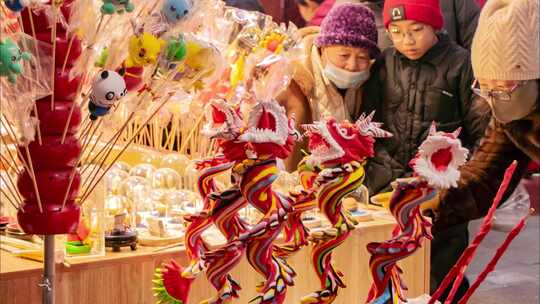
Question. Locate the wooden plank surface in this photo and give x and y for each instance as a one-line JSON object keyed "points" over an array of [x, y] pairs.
{"points": [[126, 277]]}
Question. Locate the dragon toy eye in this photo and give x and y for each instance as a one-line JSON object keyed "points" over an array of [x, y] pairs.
{"points": [[344, 132]]}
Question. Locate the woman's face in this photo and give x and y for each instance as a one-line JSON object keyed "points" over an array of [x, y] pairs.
{"points": [[509, 100], [348, 58]]}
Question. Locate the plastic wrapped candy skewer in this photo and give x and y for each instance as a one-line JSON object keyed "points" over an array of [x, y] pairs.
{"points": [[337, 148], [436, 167]]}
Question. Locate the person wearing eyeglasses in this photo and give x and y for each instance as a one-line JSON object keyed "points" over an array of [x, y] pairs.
{"points": [[460, 20], [328, 81], [506, 64], [425, 77]]}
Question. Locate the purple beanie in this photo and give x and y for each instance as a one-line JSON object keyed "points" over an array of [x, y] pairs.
{"points": [[350, 24]]}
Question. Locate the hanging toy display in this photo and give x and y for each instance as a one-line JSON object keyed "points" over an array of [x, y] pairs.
{"points": [[340, 149], [107, 89], [144, 49], [176, 49], [10, 60], [175, 10], [436, 168], [110, 7]]}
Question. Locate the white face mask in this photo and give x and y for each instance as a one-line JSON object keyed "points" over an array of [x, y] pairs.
{"points": [[522, 103], [344, 79]]}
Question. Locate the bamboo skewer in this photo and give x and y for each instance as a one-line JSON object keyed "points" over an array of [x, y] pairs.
{"points": [[11, 202], [28, 166], [38, 129], [87, 193], [85, 161], [53, 41], [37, 56], [34, 182], [70, 45], [10, 185], [92, 177], [74, 104], [11, 167], [74, 171], [190, 134], [15, 140], [13, 159], [14, 187]]}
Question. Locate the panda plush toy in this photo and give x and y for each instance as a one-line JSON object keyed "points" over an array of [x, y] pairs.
{"points": [[108, 87]]}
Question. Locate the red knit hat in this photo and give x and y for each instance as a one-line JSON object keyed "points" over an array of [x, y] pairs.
{"points": [[425, 11]]}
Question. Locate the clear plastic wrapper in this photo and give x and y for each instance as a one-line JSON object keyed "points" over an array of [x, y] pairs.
{"points": [[25, 65], [512, 210]]}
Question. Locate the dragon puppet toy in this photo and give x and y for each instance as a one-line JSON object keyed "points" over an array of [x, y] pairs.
{"points": [[436, 167], [269, 135], [251, 151], [339, 150], [173, 282]]}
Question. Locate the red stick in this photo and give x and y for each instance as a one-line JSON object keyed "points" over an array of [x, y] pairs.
{"points": [[467, 256], [491, 265]]}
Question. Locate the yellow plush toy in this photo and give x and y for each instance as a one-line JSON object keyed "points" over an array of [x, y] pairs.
{"points": [[143, 49], [199, 63]]}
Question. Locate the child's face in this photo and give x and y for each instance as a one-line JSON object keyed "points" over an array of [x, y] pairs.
{"points": [[411, 38]]}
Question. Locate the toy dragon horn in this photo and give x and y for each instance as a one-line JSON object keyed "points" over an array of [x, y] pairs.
{"points": [[369, 128], [433, 128], [456, 132]]}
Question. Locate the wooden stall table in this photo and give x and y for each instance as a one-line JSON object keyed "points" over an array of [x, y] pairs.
{"points": [[126, 277]]}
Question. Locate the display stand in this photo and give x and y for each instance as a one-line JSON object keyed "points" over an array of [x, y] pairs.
{"points": [[126, 276], [48, 271]]}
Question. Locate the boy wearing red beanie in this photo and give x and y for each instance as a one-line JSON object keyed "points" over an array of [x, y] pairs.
{"points": [[424, 78]]}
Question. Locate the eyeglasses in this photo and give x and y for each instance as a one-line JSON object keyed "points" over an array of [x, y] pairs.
{"points": [[495, 94], [415, 33]]}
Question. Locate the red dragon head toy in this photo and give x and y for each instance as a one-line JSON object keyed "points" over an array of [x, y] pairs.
{"points": [[439, 158], [270, 132], [333, 142], [224, 120]]}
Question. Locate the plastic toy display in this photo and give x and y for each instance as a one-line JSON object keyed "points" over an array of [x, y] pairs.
{"points": [[108, 87], [10, 57]]}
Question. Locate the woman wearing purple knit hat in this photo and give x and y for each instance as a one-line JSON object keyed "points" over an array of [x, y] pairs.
{"points": [[328, 81]]}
